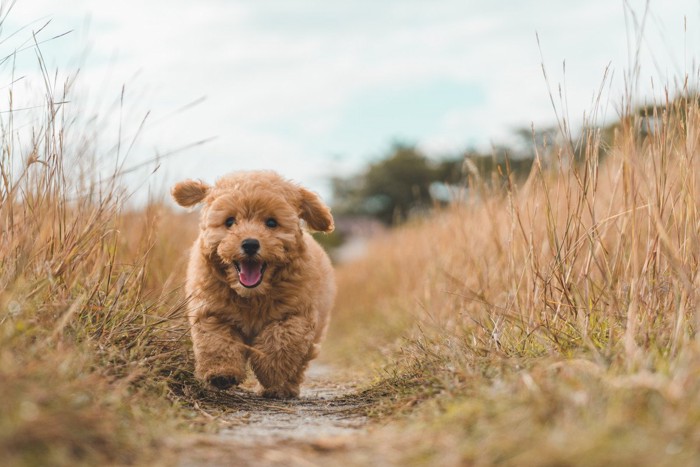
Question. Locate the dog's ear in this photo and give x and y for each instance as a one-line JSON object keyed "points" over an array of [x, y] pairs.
{"points": [[189, 192], [316, 214]]}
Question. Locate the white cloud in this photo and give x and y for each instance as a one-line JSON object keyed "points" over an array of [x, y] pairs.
{"points": [[279, 76]]}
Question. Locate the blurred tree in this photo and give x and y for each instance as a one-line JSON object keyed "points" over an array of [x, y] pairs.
{"points": [[397, 185], [390, 189], [400, 185]]}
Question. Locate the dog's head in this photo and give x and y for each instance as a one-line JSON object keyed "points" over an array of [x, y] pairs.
{"points": [[250, 225]]}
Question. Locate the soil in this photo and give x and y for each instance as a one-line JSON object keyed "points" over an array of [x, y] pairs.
{"points": [[319, 428]]}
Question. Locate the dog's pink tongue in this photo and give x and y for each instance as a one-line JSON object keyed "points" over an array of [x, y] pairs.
{"points": [[251, 272]]}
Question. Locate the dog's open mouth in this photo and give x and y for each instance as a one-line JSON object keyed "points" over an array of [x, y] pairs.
{"points": [[250, 272]]}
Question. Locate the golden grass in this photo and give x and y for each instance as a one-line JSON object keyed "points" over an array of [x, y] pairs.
{"points": [[558, 319], [547, 322], [93, 347], [88, 342]]}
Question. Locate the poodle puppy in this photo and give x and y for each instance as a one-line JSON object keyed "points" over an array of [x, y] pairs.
{"points": [[260, 288]]}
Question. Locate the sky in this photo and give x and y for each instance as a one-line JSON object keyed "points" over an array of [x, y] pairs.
{"points": [[313, 89]]}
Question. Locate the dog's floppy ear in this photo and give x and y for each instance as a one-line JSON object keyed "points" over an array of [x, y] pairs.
{"points": [[316, 214], [190, 192]]}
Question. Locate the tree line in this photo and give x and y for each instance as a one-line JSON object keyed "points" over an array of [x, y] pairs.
{"points": [[406, 181]]}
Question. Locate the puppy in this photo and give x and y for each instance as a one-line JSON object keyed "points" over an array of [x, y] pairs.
{"points": [[260, 288]]}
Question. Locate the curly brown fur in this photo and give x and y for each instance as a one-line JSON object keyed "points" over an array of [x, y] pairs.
{"points": [[260, 288]]}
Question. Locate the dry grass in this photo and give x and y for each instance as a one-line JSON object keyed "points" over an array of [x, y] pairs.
{"points": [[94, 353], [547, 322], [91, 335], [557, 320]]}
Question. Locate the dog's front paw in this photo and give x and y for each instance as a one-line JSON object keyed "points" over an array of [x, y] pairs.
{"points": [[223, 381], [280, 392]]}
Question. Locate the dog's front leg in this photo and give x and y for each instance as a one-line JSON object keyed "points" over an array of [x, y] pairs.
{"points": [[280, 355], [219, 352]]}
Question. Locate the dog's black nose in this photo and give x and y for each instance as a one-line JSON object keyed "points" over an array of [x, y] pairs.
{"points": [[250, 246]]}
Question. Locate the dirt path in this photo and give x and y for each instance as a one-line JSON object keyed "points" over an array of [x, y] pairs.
{"points": [[323, 423]]}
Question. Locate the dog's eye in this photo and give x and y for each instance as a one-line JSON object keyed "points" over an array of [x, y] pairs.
{"points": [[230, 221], [271, 223]]}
